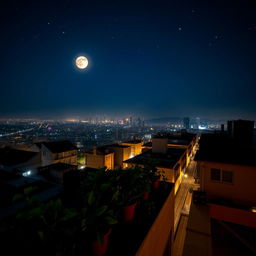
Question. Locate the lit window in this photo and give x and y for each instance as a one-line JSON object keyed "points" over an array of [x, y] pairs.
{"points": [[215, 174], [227, 176]]}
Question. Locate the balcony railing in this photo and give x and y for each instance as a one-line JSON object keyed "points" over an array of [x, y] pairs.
{"points": [[239, 216], [148, 234]]}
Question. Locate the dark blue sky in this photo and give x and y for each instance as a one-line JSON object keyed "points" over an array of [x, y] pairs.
{"points": [[149, 58]]}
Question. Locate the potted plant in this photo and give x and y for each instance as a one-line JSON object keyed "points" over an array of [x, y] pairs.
{"points": [[154, 174], [52, 226], [100, 210], [132, 187]]}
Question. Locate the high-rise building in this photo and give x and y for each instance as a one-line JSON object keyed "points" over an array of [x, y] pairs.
{"points": [[139, 122], [186, 122], [197, 123], [131, 121]]}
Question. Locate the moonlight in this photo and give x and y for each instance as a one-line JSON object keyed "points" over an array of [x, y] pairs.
{"points": [[81, 62]]}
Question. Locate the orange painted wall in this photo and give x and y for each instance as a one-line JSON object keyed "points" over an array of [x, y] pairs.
{"points": [[234, 215], [243, 188]]}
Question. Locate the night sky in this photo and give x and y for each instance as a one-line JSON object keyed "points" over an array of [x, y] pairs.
{"points": [[148, 58]]}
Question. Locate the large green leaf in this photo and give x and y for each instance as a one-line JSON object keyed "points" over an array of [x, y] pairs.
{"points": [[110, 220], [17, 197], [29, 190], [35, 212], [104, 186], [69, 214], [41, 234], [101, 210], [91, 198]]}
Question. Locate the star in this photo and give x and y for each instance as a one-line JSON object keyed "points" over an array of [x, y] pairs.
{"points": [[180, 28], [48, 23]]}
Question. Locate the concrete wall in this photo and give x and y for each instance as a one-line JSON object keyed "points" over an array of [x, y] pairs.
{"points": [[238, 216], [95, 161], [120, 155], [100, 161], [67, 157], [160, 234], [109, 161], [46, 156], [241, 190], [126, 153], [136, 148]]}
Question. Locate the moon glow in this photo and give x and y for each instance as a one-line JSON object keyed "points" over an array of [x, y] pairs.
{"points": [[81, 62]]}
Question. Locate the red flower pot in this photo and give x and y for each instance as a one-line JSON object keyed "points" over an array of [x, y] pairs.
{"points": [[98, 248], [129, 211], [156, 184], [146, 195]]}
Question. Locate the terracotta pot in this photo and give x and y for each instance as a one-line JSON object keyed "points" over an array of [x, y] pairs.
{"points": [[98, 248], [146, 195], [129, 212], [156, 184]]}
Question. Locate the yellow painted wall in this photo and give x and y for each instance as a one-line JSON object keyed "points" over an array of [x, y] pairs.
{"points": [[68, 157], [95, 161], [109, 161], [120, 155], [136, 148]]}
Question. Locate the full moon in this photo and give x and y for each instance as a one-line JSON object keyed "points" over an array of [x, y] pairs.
{"points": [[81, 62]]}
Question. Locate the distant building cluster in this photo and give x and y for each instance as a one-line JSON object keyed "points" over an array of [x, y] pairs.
{"points": [[211, 177]]}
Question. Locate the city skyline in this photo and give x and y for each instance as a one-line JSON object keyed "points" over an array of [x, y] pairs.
{"points": [[145, 59]]}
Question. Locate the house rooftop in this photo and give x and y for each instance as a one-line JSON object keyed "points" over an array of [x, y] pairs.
{"points": [[10, 156], [177, 138], [103, 150], [132, 141], [168, 160], [58, 146], [117, 146], [171, 142], [58, 167], [223, 149], [20, 182]]}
